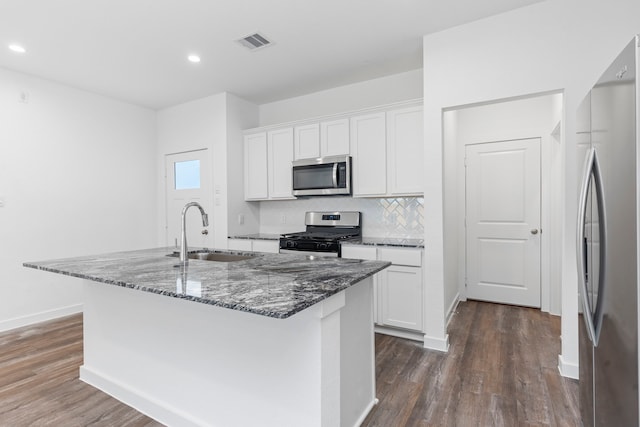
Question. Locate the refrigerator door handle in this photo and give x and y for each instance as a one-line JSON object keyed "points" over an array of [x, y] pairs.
{"points": [[581, 247], [602, 258]]}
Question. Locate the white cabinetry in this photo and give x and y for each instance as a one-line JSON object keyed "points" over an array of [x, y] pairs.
{"points": [[280, 152], [307, 141], [368, 149], [255, 167], [398, 289], [405, 151], [267, 165], [386, 145], [329, 138], [249, 245], [334, 138]]}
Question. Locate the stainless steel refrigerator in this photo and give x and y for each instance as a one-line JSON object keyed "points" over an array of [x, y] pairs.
{"points": [[607, 245]]}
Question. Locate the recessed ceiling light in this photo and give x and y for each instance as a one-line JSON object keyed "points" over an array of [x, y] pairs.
{"points": [[193, 58], [17, 48]]}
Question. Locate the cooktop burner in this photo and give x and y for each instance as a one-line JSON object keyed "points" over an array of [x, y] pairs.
{"points": [[320, 235], [325, 231]]}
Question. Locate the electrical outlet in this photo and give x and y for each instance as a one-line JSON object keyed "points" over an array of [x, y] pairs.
{"points": [[241, 219], [283, 219]]}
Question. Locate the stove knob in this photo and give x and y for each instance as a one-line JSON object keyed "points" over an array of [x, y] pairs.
{"points": [[291, 244], [322, 246]]}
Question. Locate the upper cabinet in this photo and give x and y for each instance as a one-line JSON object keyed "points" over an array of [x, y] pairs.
{"points": [[280, 152], [307, 141], [267, 165], [334, 138], [322, 139], [256, 186], [368, 151], [405, 151], [386, 146]]}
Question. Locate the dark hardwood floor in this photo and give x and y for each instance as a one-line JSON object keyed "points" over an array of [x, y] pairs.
{"points": [[501, 370]]}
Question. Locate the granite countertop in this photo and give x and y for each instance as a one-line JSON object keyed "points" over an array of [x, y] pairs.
{"points": [[273, 285], [257, 236], [389, 241]]}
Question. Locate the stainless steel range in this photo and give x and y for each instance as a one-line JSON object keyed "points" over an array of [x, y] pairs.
{"points": [[325, 231]]}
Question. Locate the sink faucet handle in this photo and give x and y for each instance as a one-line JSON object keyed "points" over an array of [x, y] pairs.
{"points": [[205, 231]]}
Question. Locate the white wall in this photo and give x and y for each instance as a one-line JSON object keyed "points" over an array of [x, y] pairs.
{"points": [[214, 123], [369, 93], [77, 175], [240, 115], [190, 126], [549, 46]]}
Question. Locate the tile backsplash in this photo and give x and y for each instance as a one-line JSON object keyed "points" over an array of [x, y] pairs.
{"points": [[394, 217]]}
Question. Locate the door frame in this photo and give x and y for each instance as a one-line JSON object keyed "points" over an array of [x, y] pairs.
{"points": [[550, 213], [208, 209]]}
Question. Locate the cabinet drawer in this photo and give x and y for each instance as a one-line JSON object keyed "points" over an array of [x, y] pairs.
{"points": [[271, 246], [398, 256], [359, 252], [239, 245]]}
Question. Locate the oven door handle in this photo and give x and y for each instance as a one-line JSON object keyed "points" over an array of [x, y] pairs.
{"points": [[335, 175], [309, 253]]}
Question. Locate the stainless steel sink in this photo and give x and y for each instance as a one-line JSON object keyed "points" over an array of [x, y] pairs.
{"points": [[216, 256]]}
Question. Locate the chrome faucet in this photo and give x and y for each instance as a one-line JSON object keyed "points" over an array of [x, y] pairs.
{"points": [[183, 235]]}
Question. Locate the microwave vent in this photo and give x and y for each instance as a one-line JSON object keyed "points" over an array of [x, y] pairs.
{"points": [[255, 41]]}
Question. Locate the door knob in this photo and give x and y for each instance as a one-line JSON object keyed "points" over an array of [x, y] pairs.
{"points": [[534, 231]]}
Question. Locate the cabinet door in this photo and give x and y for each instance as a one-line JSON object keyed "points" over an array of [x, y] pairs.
{"points": [[400, 294], [368, 148], [255, 167], [334, 138], [405, 152], [280, 152], [270, 246], [307, 141]]}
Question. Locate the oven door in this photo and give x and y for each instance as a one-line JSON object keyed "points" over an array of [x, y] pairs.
{"points": [[308, 253]]}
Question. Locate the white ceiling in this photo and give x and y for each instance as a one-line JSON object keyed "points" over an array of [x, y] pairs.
{"points": [[135, 50]]}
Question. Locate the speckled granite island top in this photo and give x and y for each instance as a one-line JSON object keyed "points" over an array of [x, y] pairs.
{"points": [[273, 285]]}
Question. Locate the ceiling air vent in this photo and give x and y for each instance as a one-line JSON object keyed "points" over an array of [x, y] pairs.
{"points": [[254, 41]]}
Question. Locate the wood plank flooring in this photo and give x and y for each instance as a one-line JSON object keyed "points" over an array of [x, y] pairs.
{"points": [[501, 370]]}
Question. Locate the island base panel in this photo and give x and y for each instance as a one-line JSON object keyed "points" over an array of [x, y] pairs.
{"points": [[192, 364]]}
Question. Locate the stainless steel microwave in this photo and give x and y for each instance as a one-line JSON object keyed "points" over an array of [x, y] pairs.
{"points": [[323, 176]]}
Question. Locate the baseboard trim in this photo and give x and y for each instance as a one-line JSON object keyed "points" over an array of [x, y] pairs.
{"points": [[410, 335], [159, 411], [439, 344], [568, 370], [43, 316], [452, 308], [366, 411]]}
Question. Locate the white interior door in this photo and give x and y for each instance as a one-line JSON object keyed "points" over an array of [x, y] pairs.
{"points": [[188, 179], [503, 222]]}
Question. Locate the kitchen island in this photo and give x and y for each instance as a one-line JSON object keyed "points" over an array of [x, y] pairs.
{"points": [[274, 339]]}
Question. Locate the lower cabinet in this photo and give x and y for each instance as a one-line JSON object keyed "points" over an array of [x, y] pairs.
{"points": [[248, 245], [398, 289], [400, 296]]}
